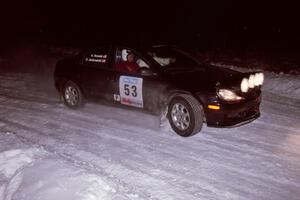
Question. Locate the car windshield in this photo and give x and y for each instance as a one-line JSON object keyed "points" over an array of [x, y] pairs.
{"points": [[172, 58]]}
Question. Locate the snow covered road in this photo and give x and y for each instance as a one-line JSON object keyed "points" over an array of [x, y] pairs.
{"points": [[48, 151]]}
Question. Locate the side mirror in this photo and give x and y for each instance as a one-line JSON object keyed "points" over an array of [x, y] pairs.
{"points": [[144, 71]]}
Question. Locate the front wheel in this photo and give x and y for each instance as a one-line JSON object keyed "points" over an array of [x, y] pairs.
{"points": [[72, 95], [185, 115]]}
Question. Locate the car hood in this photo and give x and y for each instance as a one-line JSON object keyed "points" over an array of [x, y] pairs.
{"points": [[205, 79]]}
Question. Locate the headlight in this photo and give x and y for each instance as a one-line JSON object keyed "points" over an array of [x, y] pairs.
{"points": [[228, 95]]}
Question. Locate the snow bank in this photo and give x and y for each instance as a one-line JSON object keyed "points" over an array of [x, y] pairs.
{"points": [[13, 160], [11, 164], [54, 179], [28, 176], [283, 84]]}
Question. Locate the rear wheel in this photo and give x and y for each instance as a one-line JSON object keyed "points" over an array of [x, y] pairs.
{"points": [[185, 115], [72, 95]]}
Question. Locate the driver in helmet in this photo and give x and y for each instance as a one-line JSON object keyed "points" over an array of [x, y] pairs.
{"points": [[129, 65]]}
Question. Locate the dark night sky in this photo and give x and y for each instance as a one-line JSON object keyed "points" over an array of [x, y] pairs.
{"points": [[236, 22]]}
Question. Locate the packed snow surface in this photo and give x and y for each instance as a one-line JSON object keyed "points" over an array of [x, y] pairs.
{"points": [[50, 152]]}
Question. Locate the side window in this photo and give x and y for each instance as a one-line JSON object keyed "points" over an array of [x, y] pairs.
{"points": [[96, 58], [128, 62]]}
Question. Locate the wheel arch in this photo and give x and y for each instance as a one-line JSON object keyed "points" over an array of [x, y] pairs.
{"points": [[167, 98]]}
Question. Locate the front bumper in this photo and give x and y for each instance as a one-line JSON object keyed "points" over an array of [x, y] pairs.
{"points": [[231, 115]]}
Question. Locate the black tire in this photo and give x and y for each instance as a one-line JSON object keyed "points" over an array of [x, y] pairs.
{"points": [[72, 95], [185, 115]]}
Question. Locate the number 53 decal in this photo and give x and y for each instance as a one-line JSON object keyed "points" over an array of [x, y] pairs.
{"points": [[131, 91]]}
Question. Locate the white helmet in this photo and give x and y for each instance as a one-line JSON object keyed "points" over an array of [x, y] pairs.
{"points": [[124, 54]]}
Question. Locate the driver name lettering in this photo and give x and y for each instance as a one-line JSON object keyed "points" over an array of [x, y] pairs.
{"points": [[95, 60]]}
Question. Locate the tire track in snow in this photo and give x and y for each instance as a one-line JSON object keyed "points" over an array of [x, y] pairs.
{"points": [[32, 130], [70, 157], [215, 144], [36, 130]]}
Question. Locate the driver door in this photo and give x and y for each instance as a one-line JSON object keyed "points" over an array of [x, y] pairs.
{"points": [[135, 89]]}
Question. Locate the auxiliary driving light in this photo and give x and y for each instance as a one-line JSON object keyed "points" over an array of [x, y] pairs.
{"points": [[260, 78], [251, 81], [244, 85], [254, 80]]}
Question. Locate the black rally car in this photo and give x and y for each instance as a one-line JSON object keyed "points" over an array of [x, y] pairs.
{"points": [[161, 80]]}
